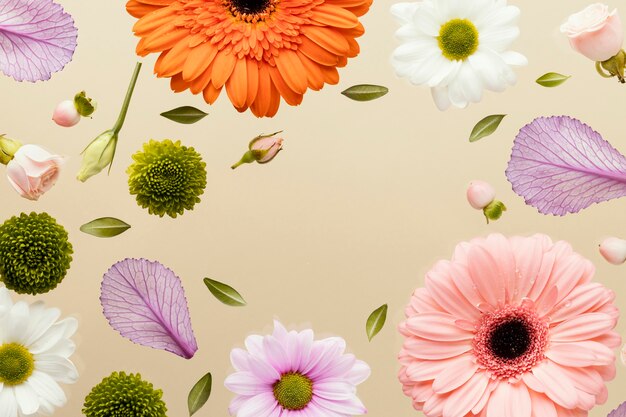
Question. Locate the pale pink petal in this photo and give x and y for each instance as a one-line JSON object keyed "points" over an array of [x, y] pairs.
{"points": [[437, 326], [422, 302], [300, 350], [533, 383], [246, 383], [336, 368], [360, 372], [261, 405], [254, 345], [441, 287], [239, 359], [558, 387], [579, 354], [545, 270], [276, 354], [462, 400], [236, 403], [434, 405], [455, 376], [426, 349], [582, 299], [585, 379], [485, 273], [463, 281], [542, 405], [263, 371], [428, 370], [322, 352], [583, 327], [349, 407], [528, 256], [334, 390]]}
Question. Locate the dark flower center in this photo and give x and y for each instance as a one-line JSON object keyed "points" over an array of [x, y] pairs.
{"points": [[250, 6], [510, 339]]}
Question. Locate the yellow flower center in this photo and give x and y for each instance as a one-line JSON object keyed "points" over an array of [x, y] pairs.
{"points": [[458, 39], [16, 364], [293, 391]]}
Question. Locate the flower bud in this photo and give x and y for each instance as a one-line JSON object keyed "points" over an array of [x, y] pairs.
{"points": [[261, 149], [595, 32], [33, 171], [8, 148], [98, 155], [480, 194], [494, 210], [66, 114], [614, 250]]}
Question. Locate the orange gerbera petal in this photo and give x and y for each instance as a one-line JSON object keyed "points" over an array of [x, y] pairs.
{"points": [[259, 50]]}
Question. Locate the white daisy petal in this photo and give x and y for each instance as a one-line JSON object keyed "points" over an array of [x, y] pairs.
{"points": [[416, 50], [17, 322], [26, 398], [499, 39], [440, 96], [41, 320], [500, 16], [426, 21], [46, 387], [8, 403], [514, 58], [5, 301], [58, 367], [403, 11]]}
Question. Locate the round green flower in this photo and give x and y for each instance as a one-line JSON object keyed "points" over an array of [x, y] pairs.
{"points": [[121, 395], [34, 253], [167, 178]]}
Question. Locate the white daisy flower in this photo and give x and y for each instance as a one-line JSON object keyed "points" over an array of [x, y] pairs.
{"points": [[34, 357], [457, 47]]}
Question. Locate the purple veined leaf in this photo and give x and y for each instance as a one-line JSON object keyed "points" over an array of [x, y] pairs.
{"points": [[560, 165], [37, 38], [619, 411], [146, 303]]}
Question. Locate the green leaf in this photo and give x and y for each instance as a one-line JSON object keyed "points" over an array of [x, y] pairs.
{"points": [[105, 227], [376, 321], [365, 92], [486, 127], [224, 293], [552, 79], [199, 394], [186, 115]]}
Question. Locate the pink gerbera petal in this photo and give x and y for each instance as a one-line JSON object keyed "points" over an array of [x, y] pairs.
{"points": [[509, 328]]}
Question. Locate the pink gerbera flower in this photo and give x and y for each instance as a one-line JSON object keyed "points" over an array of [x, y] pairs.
{"points": [[509, 328], [288, 374]]}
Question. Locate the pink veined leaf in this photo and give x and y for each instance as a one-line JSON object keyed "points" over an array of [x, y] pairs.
{"points": [[560, 165], [37, 38], [146, 303]]}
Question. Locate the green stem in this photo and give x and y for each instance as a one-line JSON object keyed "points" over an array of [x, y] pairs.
{"points": [[129, 93], [600, 71]]}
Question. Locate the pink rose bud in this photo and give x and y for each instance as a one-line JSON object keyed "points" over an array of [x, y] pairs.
{"points": [[33, 171], [480, 194], [261, 149], [614, 250], [595, 32], [66, 114]]}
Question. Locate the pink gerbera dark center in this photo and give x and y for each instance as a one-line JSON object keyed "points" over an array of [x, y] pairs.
{"points": [[510, 341]]}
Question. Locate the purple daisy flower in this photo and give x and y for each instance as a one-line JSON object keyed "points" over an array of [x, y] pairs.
{"points": [[289, 374]]}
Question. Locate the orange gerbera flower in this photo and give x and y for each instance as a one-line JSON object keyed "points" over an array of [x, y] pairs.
{"points": [[259, 50]]}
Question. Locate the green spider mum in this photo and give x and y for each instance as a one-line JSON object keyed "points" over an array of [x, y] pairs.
{"points": [[35, 253], [122, 395], [167, 178]]}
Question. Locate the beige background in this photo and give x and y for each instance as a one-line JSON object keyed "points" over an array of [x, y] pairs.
{"points": [[362, 201]]}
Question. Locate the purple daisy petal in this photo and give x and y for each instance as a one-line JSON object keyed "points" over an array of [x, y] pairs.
{"points": [[560, 165], [37, 38], [619, 411], [146, 303]]}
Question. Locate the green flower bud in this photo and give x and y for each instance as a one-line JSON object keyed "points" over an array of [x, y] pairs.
{"points": [[84, 105], [98, 155], [8, 147], [494, 210]]}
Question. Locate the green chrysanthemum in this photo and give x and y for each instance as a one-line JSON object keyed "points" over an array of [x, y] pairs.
{"points": [[122, 395], [34, 253], [167, 178]]}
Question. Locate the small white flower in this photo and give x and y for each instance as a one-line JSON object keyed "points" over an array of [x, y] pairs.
{"points": [[457, 47], [34, 357]]}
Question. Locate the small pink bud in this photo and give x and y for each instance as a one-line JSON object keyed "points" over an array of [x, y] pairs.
{"points": [[480, 194], [66, 114], [613, 250], [266, 148]]}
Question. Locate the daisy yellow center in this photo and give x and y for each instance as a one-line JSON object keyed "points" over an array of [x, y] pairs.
{"points": [[458, 39], [16, 364], [293, 391]]}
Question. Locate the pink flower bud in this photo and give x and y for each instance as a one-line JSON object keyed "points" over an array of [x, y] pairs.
{"points": [[33, 171], [480, 194], [594, 32], [266, 148], [614, 250], [66, 114]]}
